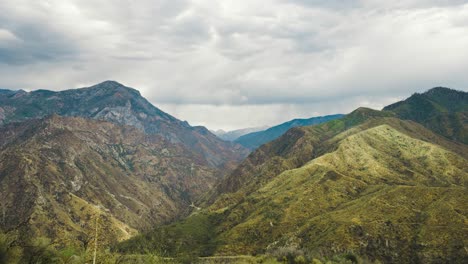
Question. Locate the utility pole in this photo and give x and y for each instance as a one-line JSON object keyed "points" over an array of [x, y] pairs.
{"points": [[95, 240]]}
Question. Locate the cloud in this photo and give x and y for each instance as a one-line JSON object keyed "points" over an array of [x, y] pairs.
{"points": [[230, 117], [232, 64]]}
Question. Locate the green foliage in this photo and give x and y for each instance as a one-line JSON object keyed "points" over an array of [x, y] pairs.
{"points": [[39, 250], [300, 259], [69, 255], [289, 254], [361, 192], [186, 257], [185, 240], [366, 186], [364, 191], [9, 253], [442, 110]]}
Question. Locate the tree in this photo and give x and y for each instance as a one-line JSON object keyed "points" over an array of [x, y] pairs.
{"points": [[96, 239]]}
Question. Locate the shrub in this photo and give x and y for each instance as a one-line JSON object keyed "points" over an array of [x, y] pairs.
{"points": [[288, 254], [300, 259], [39, 250]]}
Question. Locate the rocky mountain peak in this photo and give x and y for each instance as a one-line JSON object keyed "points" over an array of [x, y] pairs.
{"points": [[117, 103], [111, 88]]}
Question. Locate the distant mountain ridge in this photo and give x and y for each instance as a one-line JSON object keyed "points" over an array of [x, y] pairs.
{"points": [[367, 186], [235, 134], [117, 103], [256, 139]]}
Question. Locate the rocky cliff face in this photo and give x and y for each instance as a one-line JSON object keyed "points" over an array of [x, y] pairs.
{"points": [[60, 173], [111, 101]]}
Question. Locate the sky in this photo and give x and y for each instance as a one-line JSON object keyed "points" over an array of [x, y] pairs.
{"points": [[231, 64]]}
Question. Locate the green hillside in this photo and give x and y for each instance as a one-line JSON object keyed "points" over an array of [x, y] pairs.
{"points": [[442, 110], [370, 184], [371, 187], [374, 177]]}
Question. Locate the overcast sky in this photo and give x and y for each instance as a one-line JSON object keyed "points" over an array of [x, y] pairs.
{"points": [[234, 64]]}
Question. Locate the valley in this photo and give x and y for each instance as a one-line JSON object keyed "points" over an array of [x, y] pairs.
{"points": [[371, 186]]}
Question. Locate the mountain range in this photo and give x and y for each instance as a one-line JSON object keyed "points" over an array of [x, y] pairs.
{"points": [[384, 186], [59, 173], [235, 134], [114, 102], [377, 184], [255, 139], [103, 151]]}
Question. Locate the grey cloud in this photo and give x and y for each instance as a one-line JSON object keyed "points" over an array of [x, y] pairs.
{"points": [[271, 114], [249, 60], [327, 4], [33, 41]]}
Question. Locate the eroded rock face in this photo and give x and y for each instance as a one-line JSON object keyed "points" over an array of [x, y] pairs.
{"points": [[2, 115], [59, 173], [114, 102], [121, 115]]}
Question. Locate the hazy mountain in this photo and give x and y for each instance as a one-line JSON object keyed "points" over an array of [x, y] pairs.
{"points": [[368, 184], [114, 102], [57, 174], [235, 134], [256, 139]]}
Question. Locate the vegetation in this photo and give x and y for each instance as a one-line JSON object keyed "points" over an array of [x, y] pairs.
{"points": [[442, 110], [255, 139], [14, 250], [366, 188], [383, 188], [192, 237], [41, 251]]}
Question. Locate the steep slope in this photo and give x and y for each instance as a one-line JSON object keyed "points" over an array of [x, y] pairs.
{"points": [[368, 183], [256, 139], [381, 194], [114, 102], [58, 174], [443, 110], [293, 149]]}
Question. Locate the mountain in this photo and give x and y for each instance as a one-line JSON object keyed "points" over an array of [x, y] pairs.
{"points": [[380, 186], [235, 134], [256, 139], [440, 109], [117, 103], [69, 157], [368, 185], [58, 174]]}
